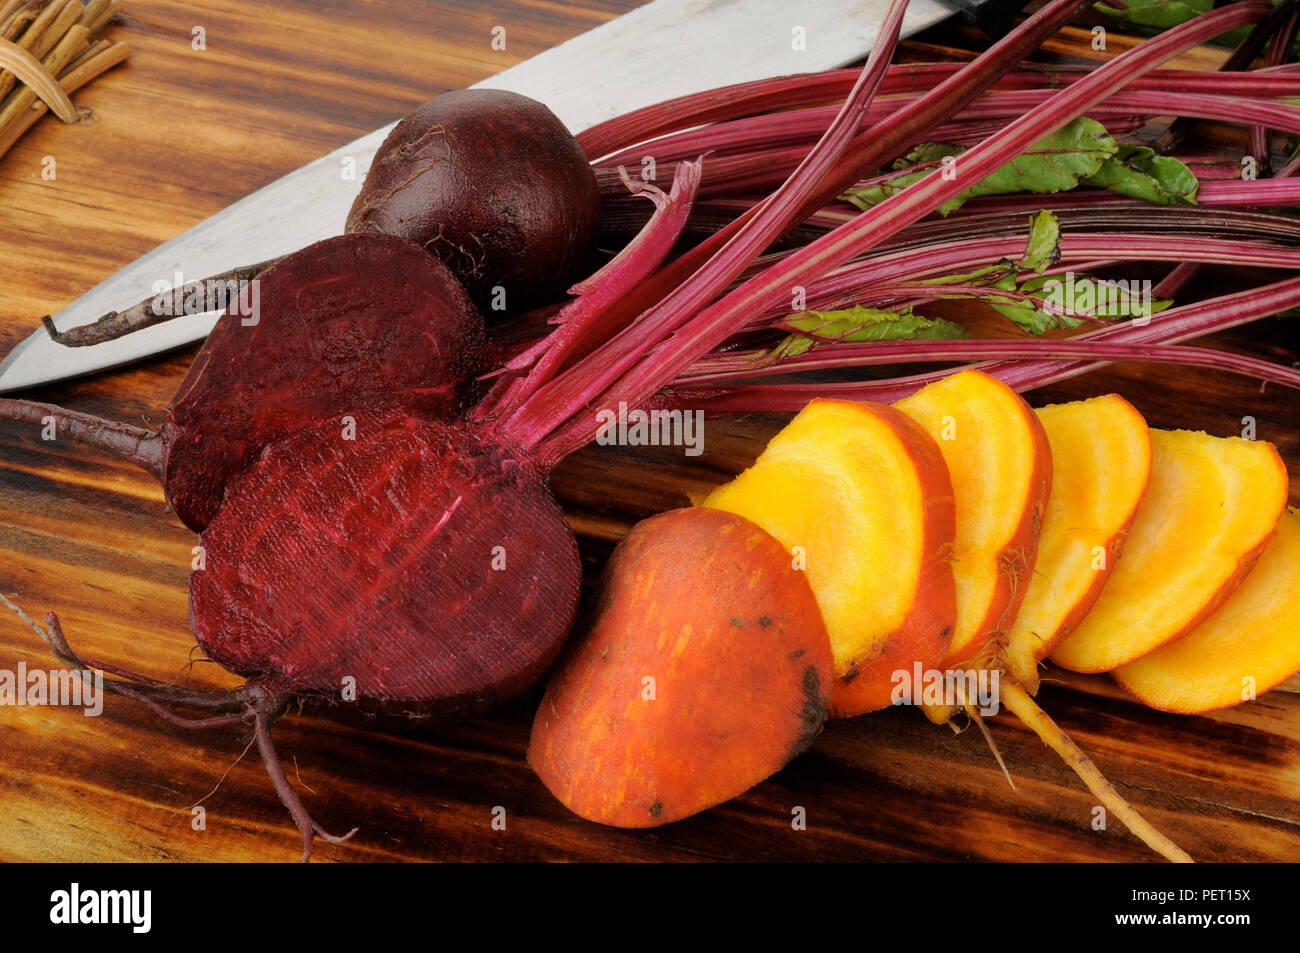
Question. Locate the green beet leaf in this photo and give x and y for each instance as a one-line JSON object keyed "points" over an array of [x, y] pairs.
{"points": [[860, 324], [1055, 164], [1139, 173]]}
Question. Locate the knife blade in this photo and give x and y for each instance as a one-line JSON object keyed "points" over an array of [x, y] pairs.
{"points": [[664, 49]]}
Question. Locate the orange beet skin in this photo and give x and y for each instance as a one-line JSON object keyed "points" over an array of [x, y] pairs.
{"points": [[705, 669]]}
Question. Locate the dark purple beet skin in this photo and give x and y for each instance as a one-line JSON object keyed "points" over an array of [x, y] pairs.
{"points": [[351, 323], [389, 558], [493, 184]]}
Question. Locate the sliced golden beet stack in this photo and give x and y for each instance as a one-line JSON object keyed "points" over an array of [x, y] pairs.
{"points": [[1101, 463], [1000, 464], [1210, 507], [1247, 646], [859, 493], [848, 483]]}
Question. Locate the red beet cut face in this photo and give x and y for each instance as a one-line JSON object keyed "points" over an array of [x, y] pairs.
{"points": [[380, 565], [351, 323]]}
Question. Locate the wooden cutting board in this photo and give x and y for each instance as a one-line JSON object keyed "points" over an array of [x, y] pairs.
{"points": [[182, 133]]}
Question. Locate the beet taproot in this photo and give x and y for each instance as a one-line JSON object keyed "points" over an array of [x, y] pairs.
{"points": [[493, 184], [393, 564]]}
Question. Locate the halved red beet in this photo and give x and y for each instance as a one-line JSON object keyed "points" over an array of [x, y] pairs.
{"points": [[493, 184], [387, 559], [356, 322], [352, 323]]}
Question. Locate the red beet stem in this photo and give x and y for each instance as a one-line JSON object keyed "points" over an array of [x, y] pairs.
{"points": [[696, 333], [853, 283], [878, 145], [838, 354], [758, 152], [536, 417], [1165, 224], [1169, 327], [587, 316], [606, 366], [761, 98], [905, 293], [1216, 193], [145, 448]]}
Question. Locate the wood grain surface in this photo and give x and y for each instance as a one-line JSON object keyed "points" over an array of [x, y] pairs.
{"points": [[178, 135]]}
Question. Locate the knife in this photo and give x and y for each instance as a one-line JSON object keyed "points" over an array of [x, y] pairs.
{"points": [[665, 49]]}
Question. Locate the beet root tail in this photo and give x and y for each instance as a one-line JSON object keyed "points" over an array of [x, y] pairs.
{"points": [[264, 713], [217, 290], [1024, 708], [147, 449], [227, 708]]}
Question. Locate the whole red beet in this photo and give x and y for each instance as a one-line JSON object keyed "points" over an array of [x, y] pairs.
{"points": [[493, 184]]}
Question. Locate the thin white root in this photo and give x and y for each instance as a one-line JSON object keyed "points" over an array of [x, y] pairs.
{"points": [[973, 713]]}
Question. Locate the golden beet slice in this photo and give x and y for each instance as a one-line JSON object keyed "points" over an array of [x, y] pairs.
{"points": [[860, 495], [706, 668], [1101, 462], [1001, 468], [1247, 646], [1209, 509]]}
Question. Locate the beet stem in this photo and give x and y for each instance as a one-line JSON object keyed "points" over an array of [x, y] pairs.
{"points": [[764, 100], [145, 448], [1278, 51], [585, 317], [759, 153], [693, 333], [774, 216], [877, 145], [1141, 343], [155, 309], [1277, 55], [1240, 59], [613, 366]]}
